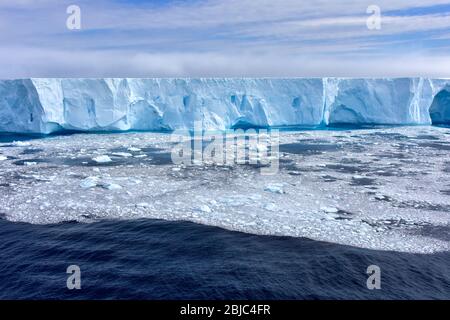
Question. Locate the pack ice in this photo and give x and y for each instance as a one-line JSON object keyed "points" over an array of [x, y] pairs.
{"points": [[51, 105]]}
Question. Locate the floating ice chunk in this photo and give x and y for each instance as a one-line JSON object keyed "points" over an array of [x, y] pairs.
{"points": [[380, 197], [112, 186], [122, 154], [271, 207], [205, 208], [275, 188], [89, 182], [134, 149], [2, 158], [30, 163], [329, 209], [261, 147], [255, 197], [102, 159], [21, 144], [322, 165], [143, 205]]}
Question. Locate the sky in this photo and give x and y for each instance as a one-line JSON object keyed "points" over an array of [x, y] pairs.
{"points": [[225, 38]]}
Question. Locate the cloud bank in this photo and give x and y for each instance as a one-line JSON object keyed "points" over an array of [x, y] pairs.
{"points": [[226, 38]]}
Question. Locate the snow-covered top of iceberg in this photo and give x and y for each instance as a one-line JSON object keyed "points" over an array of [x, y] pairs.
{"points": [[49, 105]]}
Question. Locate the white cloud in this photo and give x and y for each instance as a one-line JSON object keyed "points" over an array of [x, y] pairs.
{"points": [[221, 38], [35, 63]]}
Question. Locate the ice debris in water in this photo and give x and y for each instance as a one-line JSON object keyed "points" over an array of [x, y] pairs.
{"points": [[271, 207], [275, 188], [205, 208], [89, 182], [405, 211], [2, 158], [102, 159], [329, 209], [122, 154], [112, 186], [21, 144]]}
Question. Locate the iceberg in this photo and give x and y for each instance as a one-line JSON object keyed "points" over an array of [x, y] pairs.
{"points": [[46, 105]]}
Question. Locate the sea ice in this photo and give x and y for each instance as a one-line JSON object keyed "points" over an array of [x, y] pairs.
{"points": [[275, 188], [406, 209], [205, 208], [112, 186], [329, 209], [122, 154], [89, 182], [102, 159]]}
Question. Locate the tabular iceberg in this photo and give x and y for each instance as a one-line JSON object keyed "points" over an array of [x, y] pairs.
{"points": [[51, 105]]}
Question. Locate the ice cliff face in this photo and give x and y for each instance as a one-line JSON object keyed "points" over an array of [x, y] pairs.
{"points": [[49, 105]]}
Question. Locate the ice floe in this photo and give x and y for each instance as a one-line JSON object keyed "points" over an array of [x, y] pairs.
{"points": [[383, 189], [102, 159]]}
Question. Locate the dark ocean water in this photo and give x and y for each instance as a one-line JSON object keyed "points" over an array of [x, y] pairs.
{"points": [[153, 259]]}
